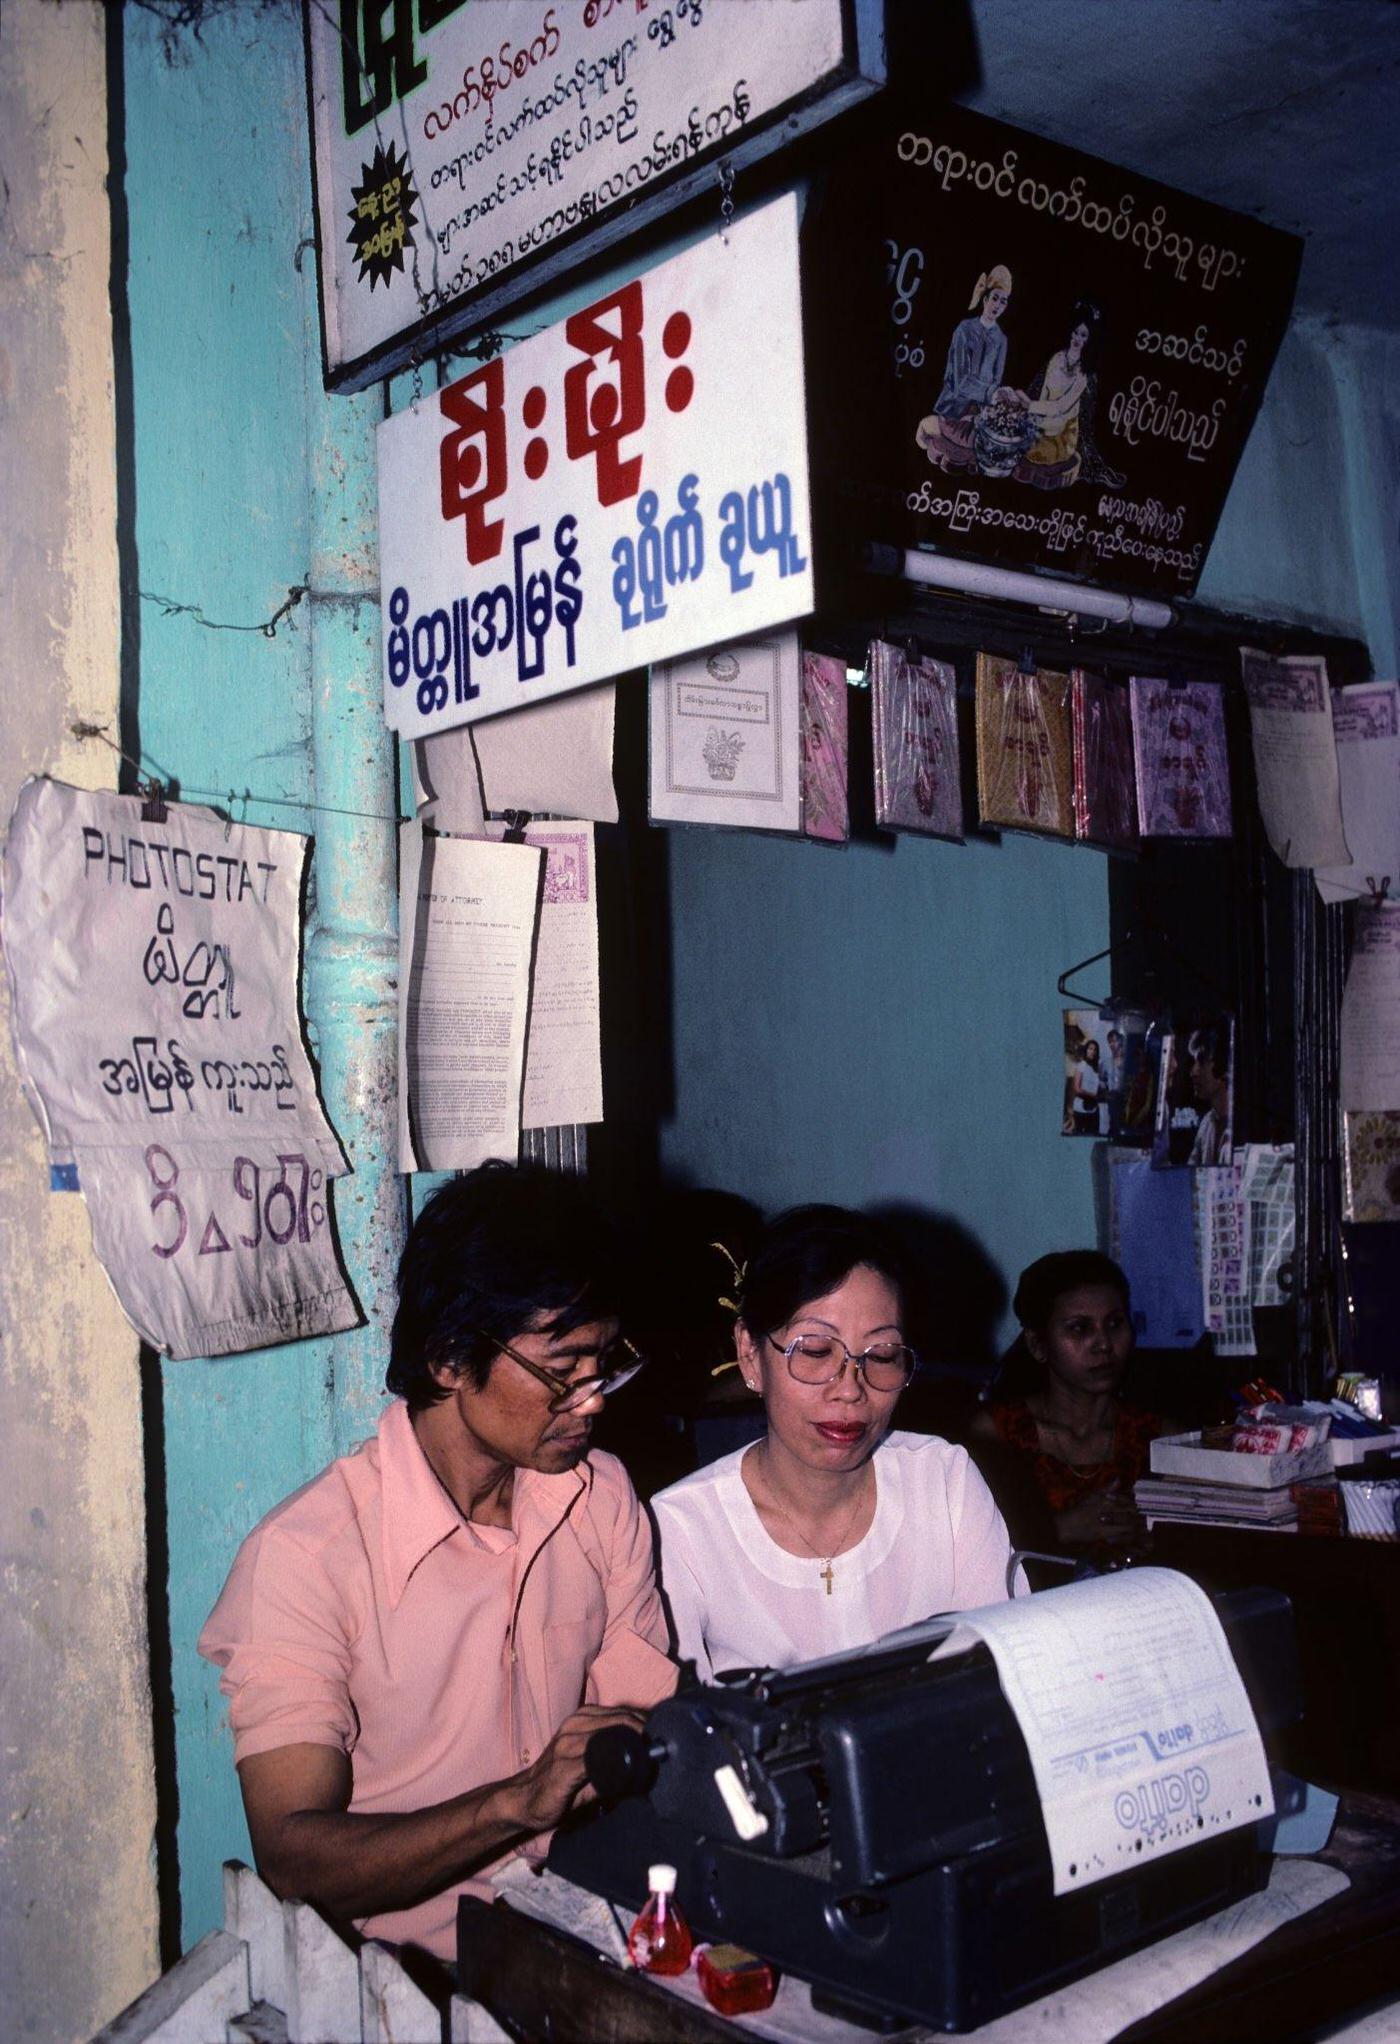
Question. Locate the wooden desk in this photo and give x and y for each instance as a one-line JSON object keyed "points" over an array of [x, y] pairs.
{"points": [[1340, 1958]]}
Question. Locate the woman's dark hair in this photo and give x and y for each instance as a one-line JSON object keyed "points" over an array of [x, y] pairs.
{"points": [[1041, 1284], [1046, 1280], [806, 1253], [696, 1241], [489, 1253], [1088, 314]]}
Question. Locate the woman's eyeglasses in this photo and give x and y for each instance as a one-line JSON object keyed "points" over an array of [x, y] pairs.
{"points": [[813, 1359], [619, 1362]]}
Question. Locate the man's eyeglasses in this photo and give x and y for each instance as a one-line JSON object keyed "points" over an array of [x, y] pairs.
{"points": [[620, 1363], [812, 1359]]}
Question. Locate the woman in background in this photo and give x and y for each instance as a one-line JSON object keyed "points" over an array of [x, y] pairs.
{"points": [[832, 1529], [1057, 1420]]}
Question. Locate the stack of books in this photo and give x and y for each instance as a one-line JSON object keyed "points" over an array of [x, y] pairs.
{"points": [[1184, 1501]]}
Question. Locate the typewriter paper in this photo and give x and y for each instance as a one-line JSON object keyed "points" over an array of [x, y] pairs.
{"points": [[563, 1043], [1366, 720], [1371, 1013], [1140, 1734], [914, 713], [154, 976], [1295, 757], [467, 914], [726, 736]]}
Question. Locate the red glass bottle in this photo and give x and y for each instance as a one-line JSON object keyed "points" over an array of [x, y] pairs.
{"points": [[659, 1941]]}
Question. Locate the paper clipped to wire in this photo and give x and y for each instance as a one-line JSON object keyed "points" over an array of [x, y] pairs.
{"points": [[914, 717], [467, 911], [554, 757], [725, 736], [825, 748], [1179, 752], [1140, 1735], [154, 975], [1295, 756], [1371, 1013], [563, 1081], [1025, 775], [447, 782], [1105, 792], [1366, 720]]}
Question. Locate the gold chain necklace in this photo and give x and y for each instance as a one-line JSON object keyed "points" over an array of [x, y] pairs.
{"points": [[826, 1572]]}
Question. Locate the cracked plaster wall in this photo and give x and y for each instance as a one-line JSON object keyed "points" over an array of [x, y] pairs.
{"points": [[77, 1799]]}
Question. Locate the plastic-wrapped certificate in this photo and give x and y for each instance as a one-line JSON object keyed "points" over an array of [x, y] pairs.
{"points": [[1105, 793], [918, 775], [1183, 768], [1024, 774], [726, 736], [826, 808]]}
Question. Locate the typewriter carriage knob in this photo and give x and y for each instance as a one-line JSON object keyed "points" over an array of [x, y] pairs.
{"points": [[620, 1762]]}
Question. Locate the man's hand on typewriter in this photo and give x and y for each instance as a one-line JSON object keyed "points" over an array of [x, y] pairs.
{"points": [[556, 1780]]}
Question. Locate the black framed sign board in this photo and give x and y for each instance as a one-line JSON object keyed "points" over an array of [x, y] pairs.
{"points": [[1025, 355]]}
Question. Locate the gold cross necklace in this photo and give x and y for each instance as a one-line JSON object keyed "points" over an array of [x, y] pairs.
{"points": [[826, 1572]]}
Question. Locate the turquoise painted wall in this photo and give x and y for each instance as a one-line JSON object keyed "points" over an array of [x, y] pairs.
{"points": [[883, 1025], [249, 482]]}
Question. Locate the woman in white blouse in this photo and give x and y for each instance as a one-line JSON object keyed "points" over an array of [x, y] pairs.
{"points": [[832, 1529]]}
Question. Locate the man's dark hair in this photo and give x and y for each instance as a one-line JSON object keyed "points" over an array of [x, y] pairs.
{"points": [[1212, 1042], [1050, 1277], [806, 1253], [490, 1253]]}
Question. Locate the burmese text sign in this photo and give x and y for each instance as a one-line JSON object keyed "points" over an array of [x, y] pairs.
{"points": [[624, 487]]}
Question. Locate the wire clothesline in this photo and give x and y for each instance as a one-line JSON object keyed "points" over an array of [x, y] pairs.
{"points": [[154, 773]]}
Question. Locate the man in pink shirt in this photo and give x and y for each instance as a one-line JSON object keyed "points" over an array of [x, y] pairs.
{"points": [[418, 1644]]}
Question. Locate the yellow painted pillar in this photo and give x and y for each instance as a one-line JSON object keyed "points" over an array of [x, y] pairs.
{"points": [[77, 1795]]}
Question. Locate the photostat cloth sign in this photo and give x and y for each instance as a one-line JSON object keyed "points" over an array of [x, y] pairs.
{"points": [[153, 973]]}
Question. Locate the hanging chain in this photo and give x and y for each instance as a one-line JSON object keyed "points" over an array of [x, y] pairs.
{"points": [[726, 201]]}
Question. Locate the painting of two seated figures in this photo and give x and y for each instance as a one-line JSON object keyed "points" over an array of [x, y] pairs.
{"points": [[1039, 431]]}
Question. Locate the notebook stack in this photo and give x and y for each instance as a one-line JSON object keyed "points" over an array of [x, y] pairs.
{"points": [[1181, 1501]]}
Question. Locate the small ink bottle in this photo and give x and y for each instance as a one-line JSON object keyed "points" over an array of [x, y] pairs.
{"points": [[659, 1941], [734, 1981]]}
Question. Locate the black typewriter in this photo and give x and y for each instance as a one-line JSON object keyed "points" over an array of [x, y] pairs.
{"points": [[871, 1824]]}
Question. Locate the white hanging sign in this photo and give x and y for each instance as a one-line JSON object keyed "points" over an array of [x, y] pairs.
{"points": [[627, 486]]}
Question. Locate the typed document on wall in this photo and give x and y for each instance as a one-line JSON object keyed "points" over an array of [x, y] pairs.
{"points": [[467, 913]]}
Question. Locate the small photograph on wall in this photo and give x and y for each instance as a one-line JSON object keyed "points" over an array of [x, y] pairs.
{"points": [[1108, 1076], [1195, 1096]]}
